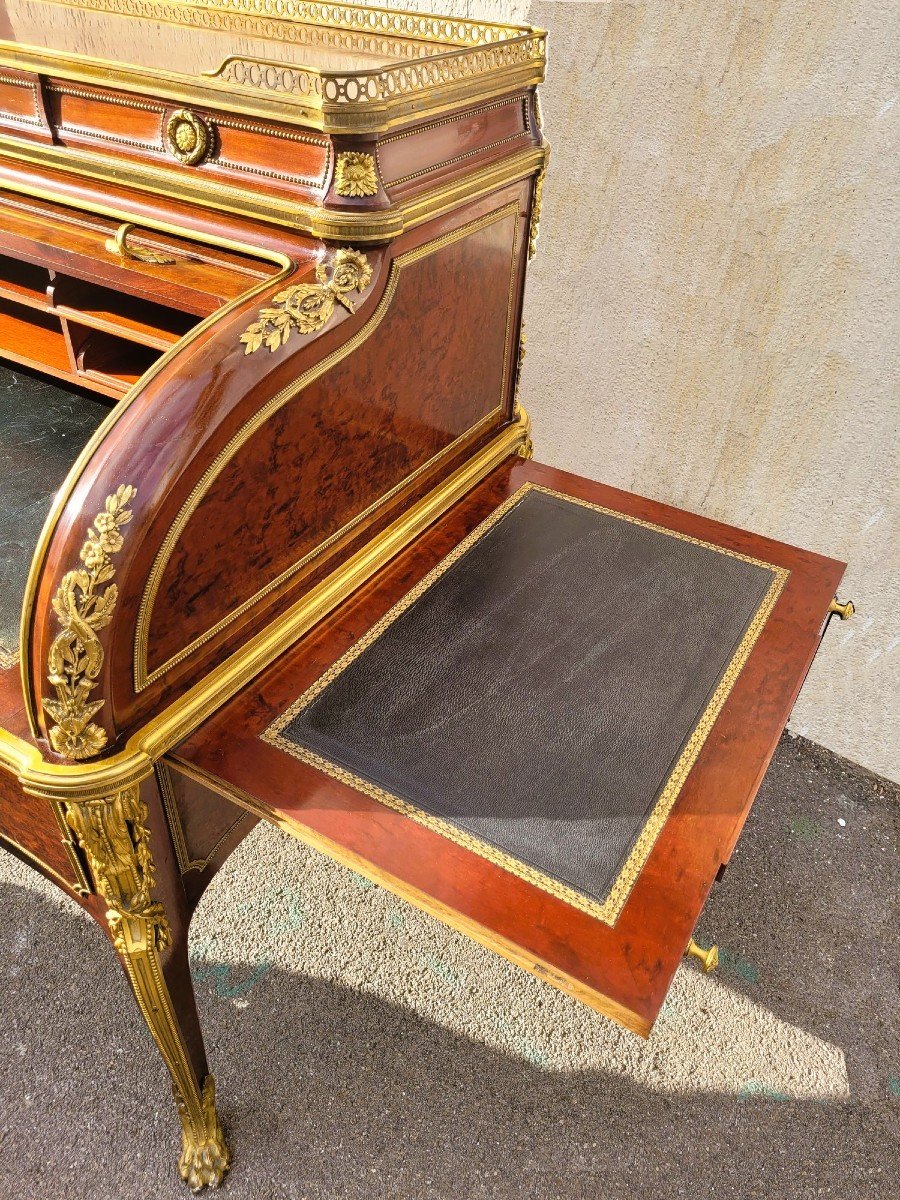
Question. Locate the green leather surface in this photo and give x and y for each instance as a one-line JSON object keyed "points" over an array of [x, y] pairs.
{"points": [[537, 696]]}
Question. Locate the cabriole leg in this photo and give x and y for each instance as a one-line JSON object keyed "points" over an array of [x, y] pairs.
{"points": [[113, 834]]}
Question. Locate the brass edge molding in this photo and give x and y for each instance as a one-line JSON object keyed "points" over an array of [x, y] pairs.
{"points": [[302, 216], [569, 984], [142, 675], [609, 909], [112, 833], [61, 499], [84, 604], [186, 864], [163, 775], [58, 781], [306, 307], [355, 174], [451, 120]]}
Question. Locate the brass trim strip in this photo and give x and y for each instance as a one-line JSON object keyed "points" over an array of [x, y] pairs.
{"points": [[28, 85], [304, 216], [173, 817], [486, 937], [143, 676], [452, 120], [103, 97], [609, 909], [457, 158], [60, 781]]}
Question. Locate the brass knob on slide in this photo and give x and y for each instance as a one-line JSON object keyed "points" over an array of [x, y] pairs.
{"points": [[844, 611], [709, 958]]}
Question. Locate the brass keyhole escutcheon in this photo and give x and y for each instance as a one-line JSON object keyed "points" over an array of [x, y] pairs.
{"points": [[709, 958], [188, 137]]}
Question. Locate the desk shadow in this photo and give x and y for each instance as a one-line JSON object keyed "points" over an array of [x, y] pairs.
{"points": [[807, 916], [330, 1093]]}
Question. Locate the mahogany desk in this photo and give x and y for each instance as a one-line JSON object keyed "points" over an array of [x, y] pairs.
{"points": [[271, 542]]}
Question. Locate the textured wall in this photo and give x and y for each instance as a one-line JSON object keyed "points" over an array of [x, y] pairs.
{"points": [[712, 315]]}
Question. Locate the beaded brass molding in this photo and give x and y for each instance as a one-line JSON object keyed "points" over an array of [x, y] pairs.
{"points": [[112, 833], [76, 653], [307, 306], [609, 909], [355, 174]]}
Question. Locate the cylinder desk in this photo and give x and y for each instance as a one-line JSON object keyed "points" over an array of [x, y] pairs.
{"points": [[273, 545]]}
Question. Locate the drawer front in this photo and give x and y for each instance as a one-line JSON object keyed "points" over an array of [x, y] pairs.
{"points": [[545, 722], [203, 142], [20, 101]]}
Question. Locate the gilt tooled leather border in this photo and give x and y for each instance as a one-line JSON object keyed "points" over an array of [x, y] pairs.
{"points": [[607, 910]]}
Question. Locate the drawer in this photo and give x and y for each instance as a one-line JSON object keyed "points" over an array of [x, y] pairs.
{"points": [[544, 722]]}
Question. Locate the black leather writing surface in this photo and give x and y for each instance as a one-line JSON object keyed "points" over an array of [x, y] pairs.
{"points": [[537, 698], [43, 428]]}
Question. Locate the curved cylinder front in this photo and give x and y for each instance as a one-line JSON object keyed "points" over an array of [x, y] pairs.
{"points": [[266, 448]]}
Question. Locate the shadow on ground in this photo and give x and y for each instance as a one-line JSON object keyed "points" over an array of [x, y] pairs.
{"points": [[330, 1091]]}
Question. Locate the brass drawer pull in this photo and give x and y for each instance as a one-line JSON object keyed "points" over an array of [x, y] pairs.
{"points": [[119, 245]]}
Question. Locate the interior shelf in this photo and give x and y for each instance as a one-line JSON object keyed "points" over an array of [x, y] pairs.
{"points": [[80, 303], [24, 282], [138, 320], [80, 331], [35, 339], [111, 361]]}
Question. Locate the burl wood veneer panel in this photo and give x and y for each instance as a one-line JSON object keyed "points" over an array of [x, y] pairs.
{"points": [[435, 365]]}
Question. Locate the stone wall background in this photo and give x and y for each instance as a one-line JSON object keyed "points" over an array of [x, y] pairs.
{"points": [[713, 314]]}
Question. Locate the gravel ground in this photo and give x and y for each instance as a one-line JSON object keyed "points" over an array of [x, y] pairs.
{"points": [[363, 1050]]}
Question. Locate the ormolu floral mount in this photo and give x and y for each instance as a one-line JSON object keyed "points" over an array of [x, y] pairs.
{"points": [[83, 606], [307, 306]]}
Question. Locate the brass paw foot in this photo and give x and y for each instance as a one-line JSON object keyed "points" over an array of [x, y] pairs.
{"points": [[204, 1154]]}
